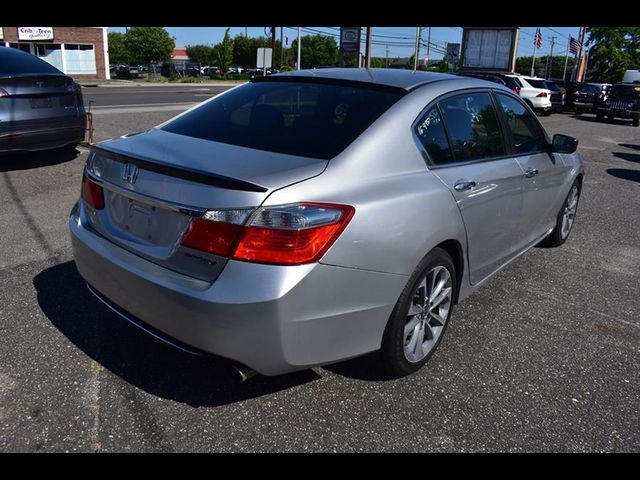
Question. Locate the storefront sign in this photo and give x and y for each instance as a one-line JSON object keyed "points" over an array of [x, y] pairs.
{"points": [[35, 33]]}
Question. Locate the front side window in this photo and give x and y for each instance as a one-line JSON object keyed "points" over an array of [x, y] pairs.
{"points": [[473, 127], [528, 136], [430, 132]]}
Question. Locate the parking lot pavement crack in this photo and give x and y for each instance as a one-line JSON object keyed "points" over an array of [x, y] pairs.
{"points": [[29, 220]]}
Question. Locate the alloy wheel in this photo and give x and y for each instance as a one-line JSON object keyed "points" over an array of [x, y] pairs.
{"points": [[569, 213]]}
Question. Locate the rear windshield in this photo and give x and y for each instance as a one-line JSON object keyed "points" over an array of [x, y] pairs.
{"points": [[586, 89], [552, 86], [13, 61], [626, 91], [536, 83], [315, 120]]}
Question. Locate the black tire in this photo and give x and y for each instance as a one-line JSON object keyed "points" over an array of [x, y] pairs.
{"points": [[555, 239], [636, 121], [546, 113], [393, 342], [600, 116]]}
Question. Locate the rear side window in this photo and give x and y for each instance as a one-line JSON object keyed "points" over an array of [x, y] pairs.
{"points": [[536, 83], [14, 61], [472, 124], [316, 120], [430, 132], [528, 137]]}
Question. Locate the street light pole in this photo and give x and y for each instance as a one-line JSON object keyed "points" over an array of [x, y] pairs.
{"points": [[367, 61], [299, 45], [415, 59]]}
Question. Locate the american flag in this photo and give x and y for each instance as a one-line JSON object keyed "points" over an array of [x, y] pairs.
{"points": [[537, 39], [574, 45]]}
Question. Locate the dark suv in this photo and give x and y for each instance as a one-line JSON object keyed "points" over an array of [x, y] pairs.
{"points": [[623, 102]]}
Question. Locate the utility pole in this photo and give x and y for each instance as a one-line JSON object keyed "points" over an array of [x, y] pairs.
{"points": [[386, 59], [299, 45], [428, 46], [367, 61], [417, 52], [281, 47], [245, 32], [549, 65]]}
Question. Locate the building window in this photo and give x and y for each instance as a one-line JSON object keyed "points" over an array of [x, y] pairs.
{"points": [[79, 58], [49, 52], [25, 47]]}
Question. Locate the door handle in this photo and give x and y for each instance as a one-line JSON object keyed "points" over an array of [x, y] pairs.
{"points": [[462, 186], [531, 172]]}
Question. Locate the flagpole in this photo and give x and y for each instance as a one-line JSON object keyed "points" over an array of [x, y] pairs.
{"points": [[566, 59], [586, 64], [533, 60]]}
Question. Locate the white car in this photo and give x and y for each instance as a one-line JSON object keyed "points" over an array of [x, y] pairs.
{"points": [[535, 93]]}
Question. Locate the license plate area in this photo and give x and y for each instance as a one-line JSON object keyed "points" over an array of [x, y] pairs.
{"points": [[41, 102]]}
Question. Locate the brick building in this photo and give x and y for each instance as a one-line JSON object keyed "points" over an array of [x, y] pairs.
{"points": [[81, 52]]}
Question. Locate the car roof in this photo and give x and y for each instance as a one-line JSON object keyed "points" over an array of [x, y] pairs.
{"points": [[389, 77]]}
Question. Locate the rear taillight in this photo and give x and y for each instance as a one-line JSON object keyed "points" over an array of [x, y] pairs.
{"points": [[285, 235], [3, 93], [542, 94], [517, 90], [92, 193]]}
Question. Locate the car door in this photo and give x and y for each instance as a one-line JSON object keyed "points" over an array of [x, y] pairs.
{"points": [[543, 172], [468, 151]]}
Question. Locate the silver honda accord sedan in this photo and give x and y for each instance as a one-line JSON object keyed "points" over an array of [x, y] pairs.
{"points": [[310, 217]]}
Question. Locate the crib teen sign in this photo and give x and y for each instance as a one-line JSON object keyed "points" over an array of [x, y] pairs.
{"points": [[35, 33]]}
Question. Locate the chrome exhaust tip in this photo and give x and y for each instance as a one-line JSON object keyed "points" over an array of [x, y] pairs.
{"points": [[243, 373]]}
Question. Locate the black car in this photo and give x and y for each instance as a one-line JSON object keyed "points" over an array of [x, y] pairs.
{"points": [[623, 102], [581, 97], [40, 107], [509, 82], [558, 95]]}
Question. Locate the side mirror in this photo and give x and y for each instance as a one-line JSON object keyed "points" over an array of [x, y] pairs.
{"points": [[564, 143]]}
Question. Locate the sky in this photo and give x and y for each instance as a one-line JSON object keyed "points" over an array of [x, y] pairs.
{"points": [[400, 41]]}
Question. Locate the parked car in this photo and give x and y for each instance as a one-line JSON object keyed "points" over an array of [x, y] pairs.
{"points": [[558, 95], [631, 76], [509, 82], [535, 93], [41, 108], [623, 102], [309, 217], [581, 97]]}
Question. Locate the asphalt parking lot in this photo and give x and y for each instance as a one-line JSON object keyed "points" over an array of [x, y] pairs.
{"points": [[543, 358]]}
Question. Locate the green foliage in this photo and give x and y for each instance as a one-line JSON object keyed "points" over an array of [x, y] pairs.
{"points": [[118, 52], [223, 52], [149, 44], [377, 62], [188, 80], [245, 50], [612, 50], [317, 51], [202, 54], [286, 68], [443, 66], [523, 66]]}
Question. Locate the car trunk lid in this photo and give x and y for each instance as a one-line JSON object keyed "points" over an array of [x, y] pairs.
{"points": [[156, 182]]}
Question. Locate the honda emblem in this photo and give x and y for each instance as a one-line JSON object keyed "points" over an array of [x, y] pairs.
{"points": [[130, 173]]}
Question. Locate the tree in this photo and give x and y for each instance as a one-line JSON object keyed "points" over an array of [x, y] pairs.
{"points": [[118, 52], [149, 44], [202, 54], [523, 66], [612, 50], [223, 52], [377, 62], [317, 51], [245, 50]]}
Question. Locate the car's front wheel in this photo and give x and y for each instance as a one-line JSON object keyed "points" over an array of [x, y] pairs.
{"points": [[421, 315], [636, 121], [566, 217]]}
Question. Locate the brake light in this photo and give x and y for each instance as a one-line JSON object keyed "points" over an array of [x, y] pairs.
{"points": [[3, 93], [542, 94], [517, 90], [92, 193], [285, 235]]}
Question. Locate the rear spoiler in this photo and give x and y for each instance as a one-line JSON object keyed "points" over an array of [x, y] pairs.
{"points": [[197, 176]]}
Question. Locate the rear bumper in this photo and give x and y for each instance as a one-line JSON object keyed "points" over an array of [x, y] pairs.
{"points": [[33, 139], [619, 113], [273, 319]]}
